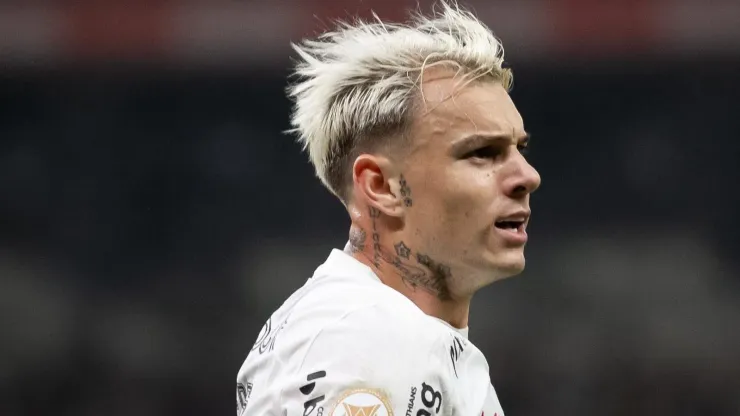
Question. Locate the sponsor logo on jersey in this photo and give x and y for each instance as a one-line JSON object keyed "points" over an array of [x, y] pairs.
{"points": [[243, 392], [267, 336], [362, 402], [412, 399], [312, 404], [456, 350], [431, 399]]}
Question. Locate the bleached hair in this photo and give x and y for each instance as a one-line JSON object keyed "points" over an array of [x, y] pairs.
{"points": [[358, 85]]}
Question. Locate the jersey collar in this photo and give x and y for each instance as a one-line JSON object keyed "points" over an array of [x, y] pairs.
{"points": [[340, 263]]}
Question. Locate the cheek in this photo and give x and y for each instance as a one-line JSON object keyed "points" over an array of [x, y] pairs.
{"points": [[460, 196], [467, 202]]}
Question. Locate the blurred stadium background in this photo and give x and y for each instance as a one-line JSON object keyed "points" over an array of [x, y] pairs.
{"points": [[152, 214]]}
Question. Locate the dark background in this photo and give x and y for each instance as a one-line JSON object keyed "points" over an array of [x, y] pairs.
{"points": [[153, 214]]}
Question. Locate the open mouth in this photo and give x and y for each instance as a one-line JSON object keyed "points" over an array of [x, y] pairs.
{"points": [[510, 225], [513, 227]]}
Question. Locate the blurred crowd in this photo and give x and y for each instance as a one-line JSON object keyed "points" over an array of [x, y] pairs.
{"points": [[152, 217]]}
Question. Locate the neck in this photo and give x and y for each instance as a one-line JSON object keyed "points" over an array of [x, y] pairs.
{"points": [[415, 275]]}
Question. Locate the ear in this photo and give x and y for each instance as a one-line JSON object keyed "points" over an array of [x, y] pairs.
{"points": [[375, 182]]}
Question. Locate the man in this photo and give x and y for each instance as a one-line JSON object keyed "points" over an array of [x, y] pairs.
{"points": [[412, 128]]}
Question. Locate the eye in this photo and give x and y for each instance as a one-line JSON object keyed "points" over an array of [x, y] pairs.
{"points": [[523, 148], [487, 152]]}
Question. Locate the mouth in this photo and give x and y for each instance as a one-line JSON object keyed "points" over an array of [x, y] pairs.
{"points": [[513, 227]]}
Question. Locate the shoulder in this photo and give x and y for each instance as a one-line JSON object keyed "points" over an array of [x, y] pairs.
{"points": [[383, 319], [374, 355], [381, 330]]}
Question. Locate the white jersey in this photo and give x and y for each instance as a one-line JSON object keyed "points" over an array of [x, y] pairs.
{"points": [[345, 344]]}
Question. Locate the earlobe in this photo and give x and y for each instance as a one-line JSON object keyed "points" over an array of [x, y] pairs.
{"points": [[394, 204]]}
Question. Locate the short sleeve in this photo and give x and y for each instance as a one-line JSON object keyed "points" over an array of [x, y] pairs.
{"points": [[371, 362]]}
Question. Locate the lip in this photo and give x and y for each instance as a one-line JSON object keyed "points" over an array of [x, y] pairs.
{"points": [[518, 236], [522, 215]]}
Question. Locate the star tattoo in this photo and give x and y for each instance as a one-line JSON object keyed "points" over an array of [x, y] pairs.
{"points": [[402, 250]]}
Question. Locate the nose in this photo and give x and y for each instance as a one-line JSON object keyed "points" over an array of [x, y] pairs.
{"points": [[521, 178]]}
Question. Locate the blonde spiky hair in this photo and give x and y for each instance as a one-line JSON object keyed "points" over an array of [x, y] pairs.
{"points": [[359, 84]]}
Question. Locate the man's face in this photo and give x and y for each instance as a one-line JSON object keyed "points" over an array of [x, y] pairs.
{"points": [[469, 183]]}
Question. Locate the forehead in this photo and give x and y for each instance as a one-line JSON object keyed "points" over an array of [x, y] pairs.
{"points": [[449, 111]]}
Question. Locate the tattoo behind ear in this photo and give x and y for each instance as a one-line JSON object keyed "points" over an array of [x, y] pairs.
{"points": [[357, 238], [374, 214], [405, 192]]}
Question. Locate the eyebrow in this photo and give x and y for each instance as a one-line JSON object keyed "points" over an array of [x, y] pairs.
{"points": [[474, 141]]}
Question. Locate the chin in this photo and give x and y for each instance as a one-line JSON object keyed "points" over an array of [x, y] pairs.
{"points": [[512, 269], [508, 263]]}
